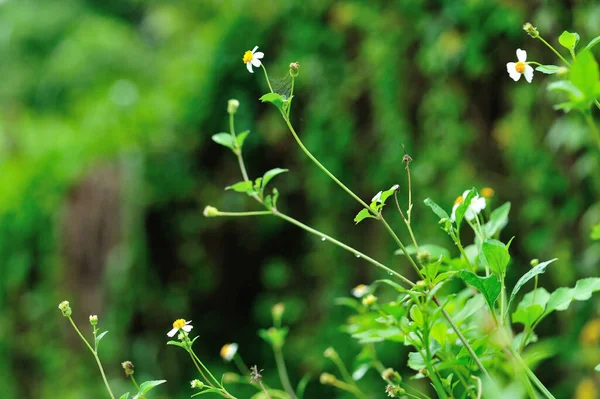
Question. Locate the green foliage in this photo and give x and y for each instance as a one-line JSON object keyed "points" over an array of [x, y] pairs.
{"points": [[489, 286], [568, 40]]}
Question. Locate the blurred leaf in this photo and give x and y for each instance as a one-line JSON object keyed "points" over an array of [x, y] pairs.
{"points": [[273, 394], [435, 251], [274, 336], [177, 343], [363, 214], [124, 396], [436, 209], [416, 361], [225, 139], [489, 286], [274, 99], [271, 174], [548, 69], [241, 187], [302, 386], [584, 75], [567, 87], [360, 372], [498, 219], [100, 336], [595, 235], [145, 387], [207, 390], [496, 254], [240, 138], [568, 40], [531, 307], [592, 43], [539, 269]]}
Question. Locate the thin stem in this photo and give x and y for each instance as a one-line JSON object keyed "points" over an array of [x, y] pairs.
{"points": [[531, 375], [344, 246], [250, 213], [283, 375], [239, 362], [262, 386], [349, 388], [597, 103], [267, 77], [95, 357], [343, 370], [134, 383], [554, 50], [201, 372], [409, 192], [402, 247], [289, 106], [205, 368]]}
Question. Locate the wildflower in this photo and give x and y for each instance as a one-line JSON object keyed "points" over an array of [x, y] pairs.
{"points": [[369, 300], [394, 391], [65, 308], [360, 290], [197, 384], [476, 206], [228, 351], [487, 192], [531, 30], [252, 59], [180, 324], [127, 367], [93, 319], [232, 106], [516, 69]]}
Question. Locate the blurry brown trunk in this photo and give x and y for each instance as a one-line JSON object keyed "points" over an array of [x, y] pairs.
{"points": [[89, 231]]}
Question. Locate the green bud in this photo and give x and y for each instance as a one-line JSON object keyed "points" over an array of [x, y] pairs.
{"points": [[534, 262], [330, 353], [128, 368], [391, 375], [277, 312], [65, 308], [232, 106], [197, 384], [211, 212], [327, 379], [294, 69], [94, 320], [531, 30], [394, 391], [423, 257]]}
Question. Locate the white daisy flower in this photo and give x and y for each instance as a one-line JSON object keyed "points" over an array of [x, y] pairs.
{"points": [[516, 69], [252, 59], [180, 324], [360, 290], [476, 206], [228, 351]]}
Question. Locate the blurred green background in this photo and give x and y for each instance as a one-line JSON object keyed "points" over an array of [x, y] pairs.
{"points": [[106, 163]]}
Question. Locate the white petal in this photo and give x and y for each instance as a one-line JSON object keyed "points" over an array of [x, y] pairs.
{"points": [[188, 322], [187, 328], [453, 216], [256, 62], [259, 55], [469, 214], [528, 73], [249, 66], [377, 197], [515, 75], [511, 67], [465, 193], [521, 55], [254, 49], [172, 332]]}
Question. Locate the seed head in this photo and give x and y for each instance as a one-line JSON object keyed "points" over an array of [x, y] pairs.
{"points": [[128, 368], [65, 308]]}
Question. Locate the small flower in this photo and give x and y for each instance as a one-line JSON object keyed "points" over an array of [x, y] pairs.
{"points": [[360, 290], [487, 192], [516, 69], [65, 308], [476, 206], [228, 351], [252, 58], [197, 384], [180, 324], [232, 106], [127, 367], [369, 300], [93, 319]]}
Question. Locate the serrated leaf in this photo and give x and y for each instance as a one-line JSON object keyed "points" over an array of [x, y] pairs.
{"points": [[539, 269], [145, 387], [241, 187], [240, 138], [498, 219], [549, 69], [568, 40], [363, 214], [274, 99], [584, 75], [592, 43], [496, 254], [271, 174], [489, 286], [436, 208], [225, 139], [100, 336]]}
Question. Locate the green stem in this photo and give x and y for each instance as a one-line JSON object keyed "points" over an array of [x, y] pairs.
{"points": [[597, 103], [283, 375], [250, 213], [289, 107], [95, 357], [205, 368], [267, 77], [531, 375], [342, 245], [402, 247], [554, 50], [201, 372], [239, 362], [343, 370], [349, 388]]}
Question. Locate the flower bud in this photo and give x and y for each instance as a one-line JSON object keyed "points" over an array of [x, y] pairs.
{"points": [[394, 391], [127, 367], [294, 69], [330, 353], [327, 379], [391, 375], [232, 106], [65, 308], [210, 211], [531, 30], [423, 257], [534, 262], [197, 384], [277, 312], [369, 300], [93, 320]]}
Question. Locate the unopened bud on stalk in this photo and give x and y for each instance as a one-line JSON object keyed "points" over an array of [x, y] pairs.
{"points": [[423, 257], [394, 391], [391, 375], [232, 106], [531, 30], [128, 368], [210, 212], [277, 312], [369, 300], [197, 384], [534, 262], [65, 308], [327, 379], [294, 69], [330, 353]]}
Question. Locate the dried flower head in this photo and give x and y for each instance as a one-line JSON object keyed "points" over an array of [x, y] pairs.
{"points": [[65, 308], [255, 375], [127, 367]]}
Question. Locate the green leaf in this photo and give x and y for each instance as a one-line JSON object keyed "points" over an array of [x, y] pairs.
{"points": [[225, 139], [462, 208], [241, 187], [531, 307], [436, 209], [240, 138], [597, 368], [100, 336], [274, 99], [273, 394], [124, 396], [496, 254], [592, 43], [147, 386], [416, 361], [498, 219], [539, 269], [549, 69], [271, 174], [363, 214], [177, 343], [489, 286], [568, 40], [595, 235], [416, 315], [208, 390], [567, 87], [584, 75], [302, 386], [393, 284]]}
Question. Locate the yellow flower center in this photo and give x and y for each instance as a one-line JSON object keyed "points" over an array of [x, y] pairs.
{"points": [[225, 350], [459, 200], [248, 57], [520, 67], [487, 192], [178, 324]]}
